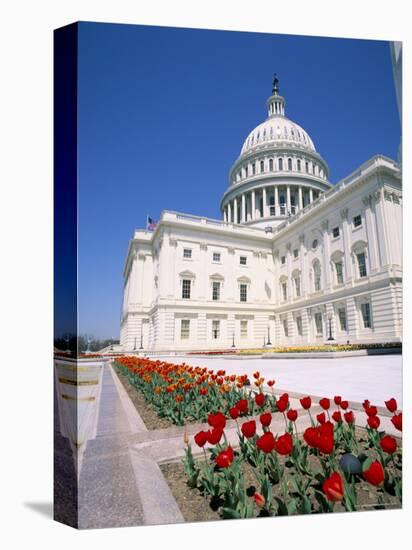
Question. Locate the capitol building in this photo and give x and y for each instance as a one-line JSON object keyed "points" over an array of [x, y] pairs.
{"points": [[294, 260]]}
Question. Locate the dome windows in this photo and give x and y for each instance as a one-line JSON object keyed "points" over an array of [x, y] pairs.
{"points": [[298, 163], [270, 165], [280, 164], [289, 164]]}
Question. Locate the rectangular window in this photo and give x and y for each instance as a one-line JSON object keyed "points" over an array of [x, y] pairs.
{"points": [[317, 281], [366, 315], [243, 329], [357, 221], [296, 253], [215, 290], [243, 260], [186, 284], [318, 323], [283, 260], [335, 231], [243, 293], [187, 253], [342, 318], [216, 256], [299, 325], [297, 287], [215, 329], [339, 272], [362, 264], [284, 291], [285, 327], [185, 329]]}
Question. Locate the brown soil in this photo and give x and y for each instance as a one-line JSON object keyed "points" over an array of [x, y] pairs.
{"points": [[148, 414]]}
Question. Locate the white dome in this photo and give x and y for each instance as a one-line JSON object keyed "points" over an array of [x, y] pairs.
{"points": [[277, 131]]}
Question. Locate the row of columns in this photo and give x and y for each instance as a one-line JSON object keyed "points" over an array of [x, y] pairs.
{"points": [[231, 210]]}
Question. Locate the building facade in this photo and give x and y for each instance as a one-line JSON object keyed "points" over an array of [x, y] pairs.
{"points": [[295, 260]]}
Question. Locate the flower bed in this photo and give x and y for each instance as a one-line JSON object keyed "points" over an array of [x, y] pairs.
{"points": [[330, 468], [322, 348]]}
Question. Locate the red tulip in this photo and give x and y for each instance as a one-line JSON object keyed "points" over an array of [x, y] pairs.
{"points": [[374, 422], [225, 458], [366, 403], [292, 415], [214, 436], [248, 428], [337, 399], [282, 403], [266, 442], [260, 399], [334, 488], [271, 383], [325, 403], [375, 474], [265, 419], [306, 402], [321, 418], [388, 444], [344, 405], [349, 417], [217, 420], [326, 440], [242, 406], [397, 421], [337, 416], [233, 412], [201, 438], [284, 444], [371, 410], [391, 405], [259, 499], [311, 436]]}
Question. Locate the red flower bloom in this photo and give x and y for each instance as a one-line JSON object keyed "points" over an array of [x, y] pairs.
{"points": [[321, 418], [311, 436], [265, 419], [366, 403], [248, 428], [225, 458], [271, 383], [217, 420], [397, 421], [292, 415], [326, 440], [306, 402], [334, 488], [283, 402], [344, 405], [374, 422], [203, 391], [391, 405], [375, 474], [371, 410], [219, 381], [325, 403], [233, 412], [337, 399], [259, 499], [337, 417], [284, 444], [388, 444], [349, 417], [201, 438], [260, 399], [266, 442], [214, 436], [242, 406]]}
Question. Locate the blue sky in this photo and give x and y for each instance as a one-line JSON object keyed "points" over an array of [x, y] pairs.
{"points": [[163, 113]]}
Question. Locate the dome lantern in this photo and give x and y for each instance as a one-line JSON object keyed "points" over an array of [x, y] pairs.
{"points": [[276, 103]]}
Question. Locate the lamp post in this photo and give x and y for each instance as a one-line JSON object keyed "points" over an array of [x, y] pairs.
{"points": [[233, 340], [264, 340], [268, 343], [111, 344], [330, 328], [134, 349], [141, 338]]}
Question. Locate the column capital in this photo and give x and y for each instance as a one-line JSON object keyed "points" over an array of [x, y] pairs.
{"points": [[344, 213]]}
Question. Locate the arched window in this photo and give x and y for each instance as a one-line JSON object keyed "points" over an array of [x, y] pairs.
{"points": [[262, 166], [270, 165], [253, 168], [317, 283], [289, 164], [280, 164], [299, 165]]}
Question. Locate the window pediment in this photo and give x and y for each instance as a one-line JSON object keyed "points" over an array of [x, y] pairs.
{"points": [[217, 277], [187, 274], [243, 279]]}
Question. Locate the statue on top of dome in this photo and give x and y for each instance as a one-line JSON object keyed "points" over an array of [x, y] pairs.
{"points": [[275, 87]]}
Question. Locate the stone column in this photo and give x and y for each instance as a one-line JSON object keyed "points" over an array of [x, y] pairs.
{"points": [[229, 212], [346, 245], [235, 220], [371, 234], [304, 275], [265, 206], [202, 291], [300, 198], [224, 214], [243, 219], [253, 205], [277, 211], [382, 229], [310, 195], [326, 254], [288, 204]]}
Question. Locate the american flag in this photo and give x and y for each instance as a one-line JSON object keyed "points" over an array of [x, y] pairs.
{"points": [[150, 224]]}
